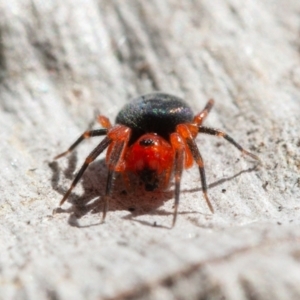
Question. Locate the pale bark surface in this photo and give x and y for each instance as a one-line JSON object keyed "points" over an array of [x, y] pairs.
{"points": [[61, 61]]}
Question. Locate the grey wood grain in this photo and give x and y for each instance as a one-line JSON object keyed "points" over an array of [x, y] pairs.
{"points": [[61, 62]]}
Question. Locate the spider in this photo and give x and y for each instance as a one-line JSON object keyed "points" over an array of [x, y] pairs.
{"points": [[154, 138]]}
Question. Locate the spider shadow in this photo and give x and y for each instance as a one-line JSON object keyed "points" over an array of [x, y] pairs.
{"points": [[138, 203], [223, 180], [93, 183]]}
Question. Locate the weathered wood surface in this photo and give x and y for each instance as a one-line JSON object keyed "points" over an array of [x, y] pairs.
{"points": [[60, 61]]}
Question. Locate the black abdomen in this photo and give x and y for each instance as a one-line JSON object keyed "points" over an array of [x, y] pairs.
{"points": [[154, 113]]}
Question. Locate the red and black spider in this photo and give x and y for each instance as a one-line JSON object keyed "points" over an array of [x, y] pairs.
{"points": [[154, 137]]}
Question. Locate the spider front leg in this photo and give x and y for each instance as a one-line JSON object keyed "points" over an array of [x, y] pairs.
{"points": [[115, 159], [219, 133], [117, 138], [179, 160], [186, 131]]}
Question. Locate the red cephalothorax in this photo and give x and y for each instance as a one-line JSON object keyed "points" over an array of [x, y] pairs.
{"points": [[154, 137], [151, 158]]}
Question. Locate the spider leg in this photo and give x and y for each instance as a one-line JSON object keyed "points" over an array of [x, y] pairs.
{"points": [[115, 159], [219, 133], [179, 147], [117, 148], [104, 121], [118, 138], [92, 156], [185, 132], [199, 118], [166, 181], [85, 135]]}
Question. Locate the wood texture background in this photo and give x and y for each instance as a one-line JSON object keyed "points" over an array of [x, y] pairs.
{"points": [[62, 61]]}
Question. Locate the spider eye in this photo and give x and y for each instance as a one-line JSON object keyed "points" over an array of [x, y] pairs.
{"points": [[146, 142]]}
